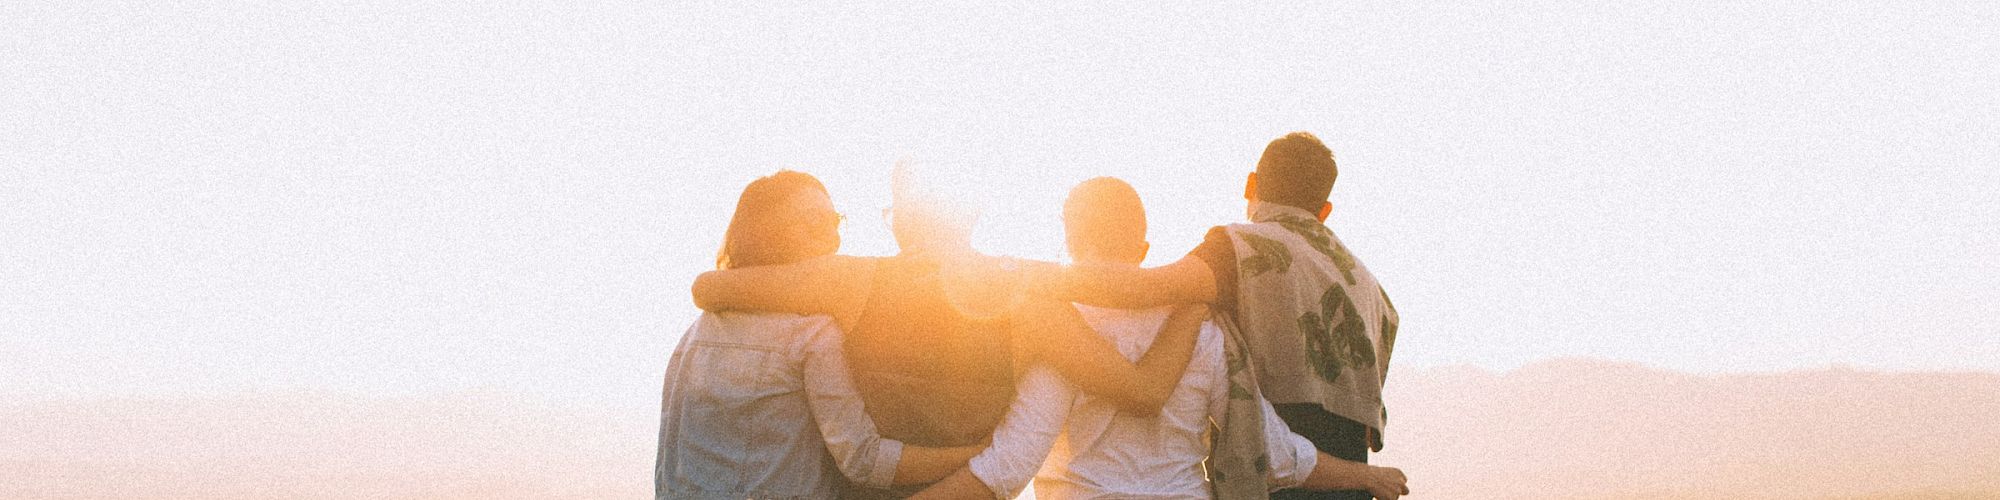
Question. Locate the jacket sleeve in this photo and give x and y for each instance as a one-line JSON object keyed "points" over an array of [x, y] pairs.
{"points": [[858, 449]]}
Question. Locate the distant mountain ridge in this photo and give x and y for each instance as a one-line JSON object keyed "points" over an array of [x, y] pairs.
{"points": [[1556, 429], [1578, 428]]}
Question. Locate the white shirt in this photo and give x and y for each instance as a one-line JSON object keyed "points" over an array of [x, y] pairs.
{"points": [[1094, 452]]}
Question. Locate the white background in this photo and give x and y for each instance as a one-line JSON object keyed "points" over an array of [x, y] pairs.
{"points": [[397, 198]]}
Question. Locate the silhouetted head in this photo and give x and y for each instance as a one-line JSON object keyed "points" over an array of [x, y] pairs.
{"points": [[1296, 170], [924, 212], [781, 218], [1103, 221]]}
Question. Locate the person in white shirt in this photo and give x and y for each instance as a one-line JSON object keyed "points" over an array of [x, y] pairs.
{"points": [[1094, 451]]}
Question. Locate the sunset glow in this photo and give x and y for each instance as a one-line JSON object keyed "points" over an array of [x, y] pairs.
{"points": [[242, 239]]}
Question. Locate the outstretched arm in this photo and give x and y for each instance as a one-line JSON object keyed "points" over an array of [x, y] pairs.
{"points": [[1055, 334], [1385, 483], [835, 285], [1187, 281]]}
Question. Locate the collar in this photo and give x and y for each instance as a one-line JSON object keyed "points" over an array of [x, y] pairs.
{"points": [[1263, 211]]}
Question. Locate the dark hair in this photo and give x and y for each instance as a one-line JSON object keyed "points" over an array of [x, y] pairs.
{"points": [[756, 235], [1296, 170], [1105, 215]]}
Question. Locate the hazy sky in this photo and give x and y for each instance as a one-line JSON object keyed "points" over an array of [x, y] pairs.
{"points": [[409, 197]]}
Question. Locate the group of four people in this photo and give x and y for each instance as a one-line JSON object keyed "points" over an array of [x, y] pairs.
{"points": [[1252, 367]]}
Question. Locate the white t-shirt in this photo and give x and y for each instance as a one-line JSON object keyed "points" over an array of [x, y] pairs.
{"points": [[1092, 451]]}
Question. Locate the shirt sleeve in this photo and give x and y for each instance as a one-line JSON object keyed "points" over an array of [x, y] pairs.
{"points": [[1220, 254], [858, 449], [1025, 436], [1217, 365], [1293, 457]]}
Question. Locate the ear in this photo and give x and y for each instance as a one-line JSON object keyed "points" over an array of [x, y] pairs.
{"points": [[1325, 210], [1144, 246], [1250, 187]]}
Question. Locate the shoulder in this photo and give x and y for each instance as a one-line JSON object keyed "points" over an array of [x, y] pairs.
{"points": [[1218, 235], [1264, 229], [1217, 246], [1221, 241]]}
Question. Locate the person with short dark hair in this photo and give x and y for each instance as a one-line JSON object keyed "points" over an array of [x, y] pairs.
{"points": [[1315, 324]]}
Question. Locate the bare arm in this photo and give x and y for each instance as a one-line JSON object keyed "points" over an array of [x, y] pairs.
{"points": [[1331, 473], [1056, 335], [1187, 281], [835, 285], [922, 465]]}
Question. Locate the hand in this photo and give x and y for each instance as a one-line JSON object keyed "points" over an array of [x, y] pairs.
{"points": [[1386, 483]]}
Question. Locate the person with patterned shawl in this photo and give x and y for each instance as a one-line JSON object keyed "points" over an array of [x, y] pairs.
{"points": [[1307, 325]]}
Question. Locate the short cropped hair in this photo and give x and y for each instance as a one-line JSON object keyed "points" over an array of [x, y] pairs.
{"points": [[1296, 170], [1104, 215]]}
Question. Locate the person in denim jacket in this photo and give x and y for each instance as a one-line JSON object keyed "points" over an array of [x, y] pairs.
{"points": [[760, 405]]}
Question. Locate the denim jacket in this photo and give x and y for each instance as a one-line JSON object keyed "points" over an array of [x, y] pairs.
{"points": [[761, 406]]}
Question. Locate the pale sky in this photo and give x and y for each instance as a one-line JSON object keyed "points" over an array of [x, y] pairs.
{"points": [[409, 197]]}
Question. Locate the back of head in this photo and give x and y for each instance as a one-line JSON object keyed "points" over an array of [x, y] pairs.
{"points": [[927, 358], [1296, 170], [780, 218], [1103, 219]]}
